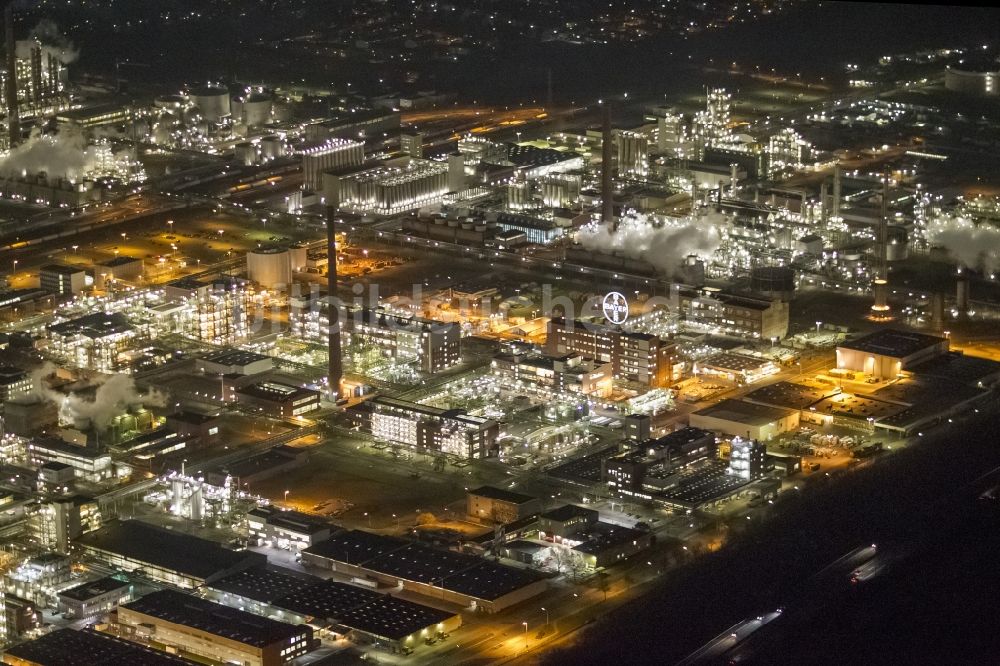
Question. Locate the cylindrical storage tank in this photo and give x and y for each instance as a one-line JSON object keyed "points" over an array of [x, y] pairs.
{"points": [[937, 311], [272, 147], [245, 153], [213, 102], [197, 503], [962, 294], [298, 256], [973, 78], [774, 281], [270, 267], [257, 109], [897, 244]]}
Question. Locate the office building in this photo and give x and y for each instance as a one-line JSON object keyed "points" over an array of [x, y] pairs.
{"points": [[15, 384], [635, 357], [277, 399], [412, 143], [427, 429], [499, 505], [640, 471], [740, 315], [62, 280], [594, 542], [547, 375], [286, 528], [184, 624], [95, 597]]}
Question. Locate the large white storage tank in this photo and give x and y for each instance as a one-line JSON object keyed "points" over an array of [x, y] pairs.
{"points": [[213, 101], [252, 109], [270, 267]]}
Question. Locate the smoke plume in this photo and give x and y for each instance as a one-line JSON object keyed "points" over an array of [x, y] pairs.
{"points": [[51, 40], [662, 245], [975, 246], [65, 154], [114, 395]]}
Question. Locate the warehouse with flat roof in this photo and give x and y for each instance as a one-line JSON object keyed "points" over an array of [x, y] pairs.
{"points": [[739, 418], [163, 555]]}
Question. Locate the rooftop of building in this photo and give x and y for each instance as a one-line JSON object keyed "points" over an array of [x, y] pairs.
{"points": [[465, 574], [225, 621], [601, 536], [749, 413], [734, 362], [598, 327], [893, 343], [185, 554], [96, 325], [855, 406], [326, 599], [234, 357], [10, 374], [61, 269], [120, 260], [296, 521], [501, 494], [88, 647], [265, 584], [54, 445], [276, 391], [700, 485], [788, 395], [568, 512], [94, 588], [958, 367], [392, 618], [192, 418]]}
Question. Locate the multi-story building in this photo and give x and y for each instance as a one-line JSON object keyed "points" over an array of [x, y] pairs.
{"points": [[732, 314], [62, 280], [286, 528], [221, 634], [500, 505], [53, 524], [94, 341], [570, 373], [277, 399], [632, 472], [95, 597], [636, 357], [41, 80], [746, 458], [433, 345], [216, 312], [15, 384], [450, 431], [633, 154]]}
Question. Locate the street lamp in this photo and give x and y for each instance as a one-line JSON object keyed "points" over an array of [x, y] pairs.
{"points": [[286, 497], [369, 519], [546, 615], [525, 635], [818, 324]]}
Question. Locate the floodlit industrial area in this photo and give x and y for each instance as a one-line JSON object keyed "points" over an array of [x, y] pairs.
{"points": [[418, 333]]}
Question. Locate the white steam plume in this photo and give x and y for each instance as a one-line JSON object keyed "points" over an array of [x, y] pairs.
{"points": [[51, 40], [114, 395], [975, 246], [662, 245], [62, 155]]}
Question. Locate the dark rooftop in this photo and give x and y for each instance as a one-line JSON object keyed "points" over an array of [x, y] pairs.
{"points": [[740, 411], [191, 556], [501, 494], [355, 546], [393, 618], [65, 647], [61, 269], [231, 623], [94, 588], [890, 342], [568, 512], [265, 584], [327, 600], [96, 325]]}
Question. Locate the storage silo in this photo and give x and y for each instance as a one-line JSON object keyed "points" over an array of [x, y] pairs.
{"points": [[213, 102], [269, 267]]}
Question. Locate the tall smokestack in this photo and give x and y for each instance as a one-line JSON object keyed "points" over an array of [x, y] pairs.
{"points": [[880, 308], [336, 369], [13, 124], [607, 208], [836, 192]]}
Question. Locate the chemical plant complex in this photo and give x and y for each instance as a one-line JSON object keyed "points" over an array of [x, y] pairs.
{"points": [[295, 373]]}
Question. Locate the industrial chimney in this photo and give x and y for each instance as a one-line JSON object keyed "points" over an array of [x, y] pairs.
{"points": [[607, 204], [13, 124], [336, 370], [880, 308]]}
